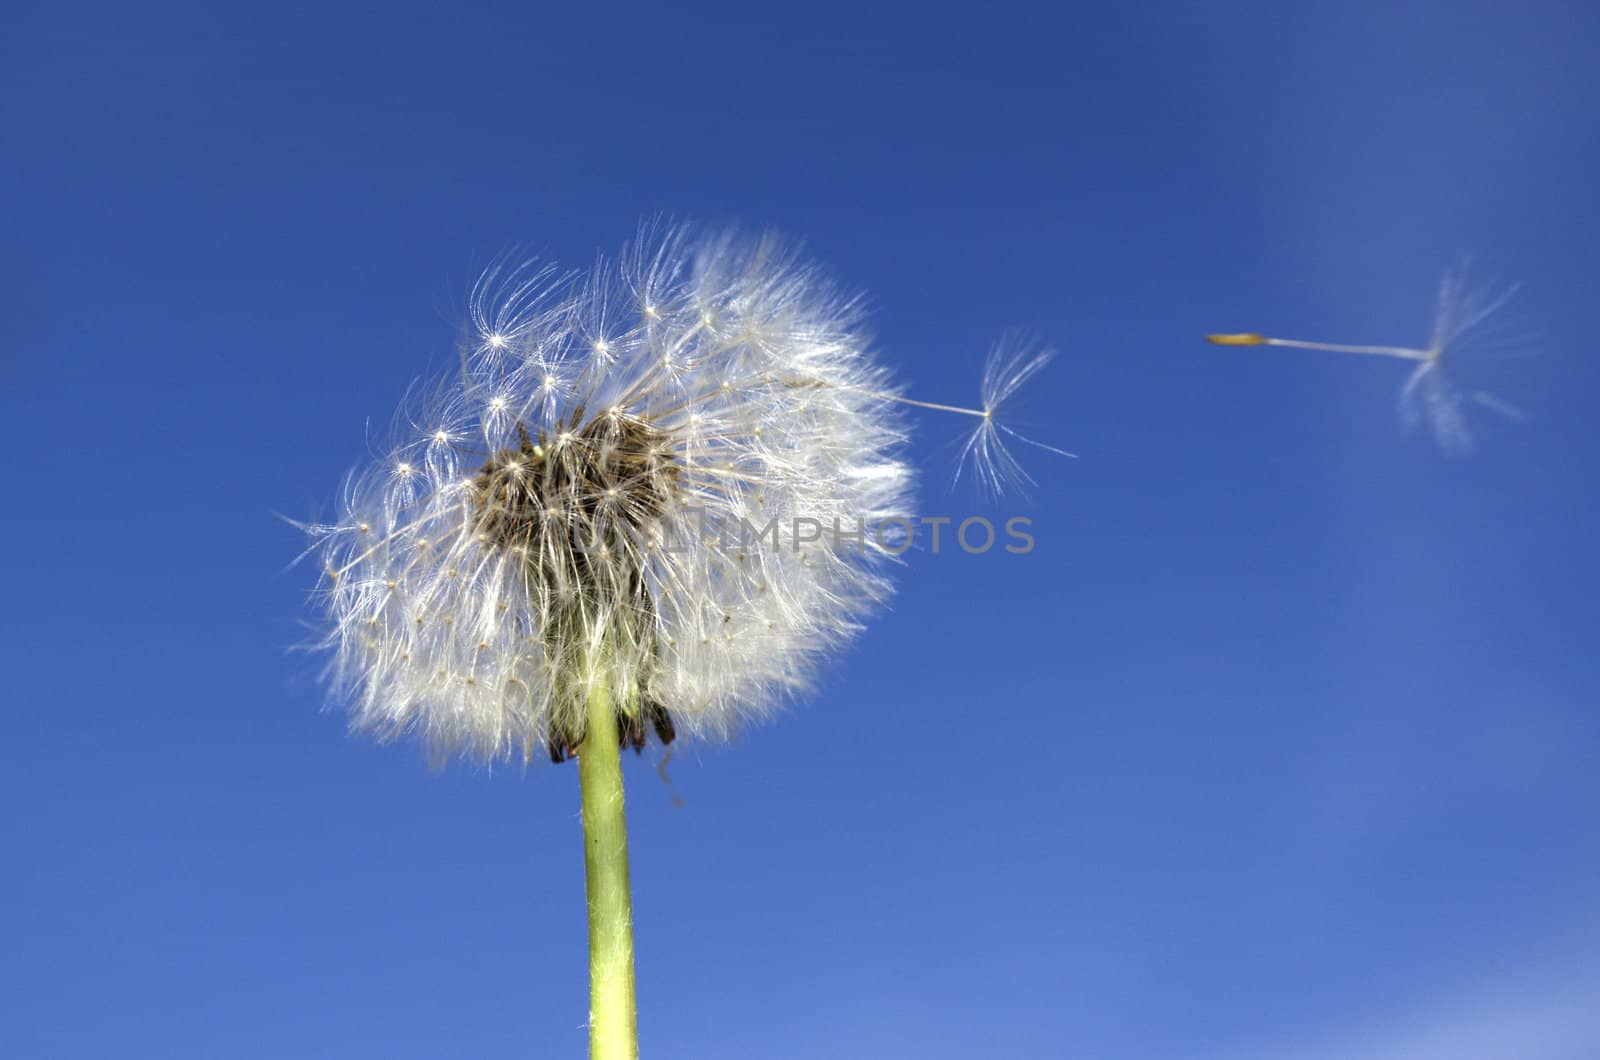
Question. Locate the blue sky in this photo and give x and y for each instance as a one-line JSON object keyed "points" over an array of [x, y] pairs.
{"points": [[1280, 744]]}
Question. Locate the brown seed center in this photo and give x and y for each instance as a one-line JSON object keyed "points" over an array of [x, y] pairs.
{"points": [[574, 506]]}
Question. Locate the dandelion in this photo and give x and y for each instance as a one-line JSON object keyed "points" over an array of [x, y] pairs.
{"points": [[583, 541], [1431, 393]]}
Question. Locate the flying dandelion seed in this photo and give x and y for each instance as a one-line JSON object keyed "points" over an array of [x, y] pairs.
{"points": [[1464, 324], [1008, 367], [586, 490]]}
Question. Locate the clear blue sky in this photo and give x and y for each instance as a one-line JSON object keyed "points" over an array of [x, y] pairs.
{"points": [[1282, 743]]}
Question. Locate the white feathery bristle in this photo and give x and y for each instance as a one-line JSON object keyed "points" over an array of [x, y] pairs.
{"points": [[1467, 328], [1008, 368]]}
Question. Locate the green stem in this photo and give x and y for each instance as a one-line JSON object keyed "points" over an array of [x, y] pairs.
{"points": [[613, 1017]]}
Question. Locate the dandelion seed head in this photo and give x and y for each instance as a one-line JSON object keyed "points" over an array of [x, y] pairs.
{"points": [[576, 505]]}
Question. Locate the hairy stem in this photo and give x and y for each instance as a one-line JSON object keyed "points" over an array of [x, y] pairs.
{"points": [[613, 1018]]}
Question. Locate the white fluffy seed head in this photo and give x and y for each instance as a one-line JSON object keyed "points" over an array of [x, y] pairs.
{"points": [[593, 499]]}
